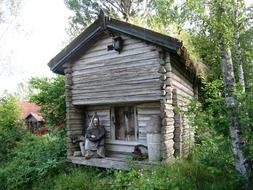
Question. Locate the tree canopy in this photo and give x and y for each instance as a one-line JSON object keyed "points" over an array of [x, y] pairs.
{"points": [[49, 95]]}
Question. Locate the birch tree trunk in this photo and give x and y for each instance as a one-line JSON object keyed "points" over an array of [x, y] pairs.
{"points": [[229, 80], [238, 48]]}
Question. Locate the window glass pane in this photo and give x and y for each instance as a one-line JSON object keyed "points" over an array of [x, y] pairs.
{"points": [[124, 123]]}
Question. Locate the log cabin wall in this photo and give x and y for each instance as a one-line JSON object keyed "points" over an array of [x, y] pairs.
{"points": [[101, 76], [74, 115], [167, 114], [183, 91], [102, 79], [118, 148]]}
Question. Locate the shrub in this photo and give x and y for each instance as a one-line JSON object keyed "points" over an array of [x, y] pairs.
{"points": [[10, 131], [180, 175], [78, 177], [34, 158]]}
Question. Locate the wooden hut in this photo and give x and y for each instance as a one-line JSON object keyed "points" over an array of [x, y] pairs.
{"points": [[138, 81], [34, 122], [30, 114]]}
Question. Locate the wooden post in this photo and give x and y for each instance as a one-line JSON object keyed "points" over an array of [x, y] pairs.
{"points": [[154, 139]]}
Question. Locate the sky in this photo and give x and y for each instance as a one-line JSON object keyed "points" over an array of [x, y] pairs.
{"points": [[28, 42]]}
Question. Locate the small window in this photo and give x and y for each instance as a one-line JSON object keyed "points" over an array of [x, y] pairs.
{"points": [[124, 123]]}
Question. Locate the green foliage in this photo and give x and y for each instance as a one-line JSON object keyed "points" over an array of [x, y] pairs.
{"points": [[32, 160], [86, 11], [211, 113], [246, 40], [245, 114], [50, 96], [192, 174], [8, 112], [10, 131], [188, 174], [80, 178], [208, 52], [74, 177]]}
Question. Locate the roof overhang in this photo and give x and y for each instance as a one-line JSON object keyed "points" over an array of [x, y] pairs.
{"points": [[108, 24], [35, 115]]}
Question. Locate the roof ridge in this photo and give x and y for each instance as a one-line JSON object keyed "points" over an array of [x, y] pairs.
{"points": [[106, 23]]}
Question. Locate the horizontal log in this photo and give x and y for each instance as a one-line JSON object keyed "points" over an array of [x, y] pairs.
{"points": [[148, 105], [122, 55], [177, 76], [182, 90], [107, 40], [145, 118], [102, 108], [117, 100], [143, 111], [126, 49], [124, 94], [139, 58], [186, 91], [120, 87], [118, 77], [107, 162], [103, 113], [112, 66], [110, 84]]}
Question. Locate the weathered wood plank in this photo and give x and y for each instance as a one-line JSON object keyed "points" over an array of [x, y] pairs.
{"points": [[149, 105], [117, 100], [108, 162], [101, 74], [175, 75], [116, 55], [107, 40], [127, 47], [183, 89], [114, 61], [102, 44], [118, 81], [108, 88], [125, 95], [122, 74], [114, 66]]}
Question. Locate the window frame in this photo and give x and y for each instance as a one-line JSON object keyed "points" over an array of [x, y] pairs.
{"points": [[113, 127]]}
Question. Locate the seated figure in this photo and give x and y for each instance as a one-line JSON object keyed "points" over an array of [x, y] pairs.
{"points": [[93, 142]]}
